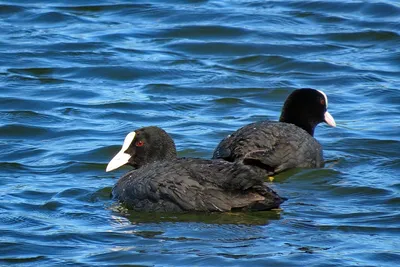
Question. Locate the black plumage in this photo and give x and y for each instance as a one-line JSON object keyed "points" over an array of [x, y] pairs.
{"points": [[164, 183], [278, 146]]}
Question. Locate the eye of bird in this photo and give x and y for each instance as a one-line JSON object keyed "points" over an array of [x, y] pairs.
{"points": [[322, 101], [139, 143]]}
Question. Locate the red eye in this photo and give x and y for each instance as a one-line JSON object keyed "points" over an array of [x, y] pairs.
{"points": [[322, 101], [139, 143]]}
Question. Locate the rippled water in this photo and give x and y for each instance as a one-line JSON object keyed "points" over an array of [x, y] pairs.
{"points": [[76, 76]]}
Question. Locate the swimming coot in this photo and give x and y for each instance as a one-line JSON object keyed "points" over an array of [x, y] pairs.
{"points": [[164, 183], [289, 143]]}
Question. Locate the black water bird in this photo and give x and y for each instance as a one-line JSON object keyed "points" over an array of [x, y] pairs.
{"points": [[279, 146], [162, 182]]}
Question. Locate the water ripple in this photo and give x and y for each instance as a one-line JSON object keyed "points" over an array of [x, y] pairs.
{"points": [[76, 77]]}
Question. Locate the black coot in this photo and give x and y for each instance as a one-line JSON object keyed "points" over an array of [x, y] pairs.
{"points": [[164, 183], [289, 143]]}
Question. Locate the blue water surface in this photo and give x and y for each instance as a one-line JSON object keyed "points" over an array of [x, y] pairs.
{"points": [[77, 76]]}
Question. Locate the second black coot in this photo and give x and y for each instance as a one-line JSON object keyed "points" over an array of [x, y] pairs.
{"points": [[279, 146], [162, 182]]}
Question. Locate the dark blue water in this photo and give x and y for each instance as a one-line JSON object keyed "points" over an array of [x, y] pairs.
{"points": [[77, 76]]}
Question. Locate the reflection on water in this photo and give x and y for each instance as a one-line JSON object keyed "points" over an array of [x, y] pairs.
{"points": [[247, 218]]}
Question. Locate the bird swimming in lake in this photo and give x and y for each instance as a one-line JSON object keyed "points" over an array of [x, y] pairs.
{"points": [[161, 182], [279, 146]]}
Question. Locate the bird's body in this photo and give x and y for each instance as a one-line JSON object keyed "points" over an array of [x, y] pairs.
{"points": [[162, 182], [278, 146], [189, 184], [272, 146]]}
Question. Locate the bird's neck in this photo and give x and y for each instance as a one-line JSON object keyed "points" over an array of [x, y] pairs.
{"points": [[309, 127]]}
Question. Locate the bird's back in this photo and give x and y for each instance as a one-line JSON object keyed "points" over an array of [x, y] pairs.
{"points": [[272, 146], [189, 184]]}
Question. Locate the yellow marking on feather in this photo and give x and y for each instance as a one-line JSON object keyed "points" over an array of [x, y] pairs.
{"points": [[277, 209]]}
